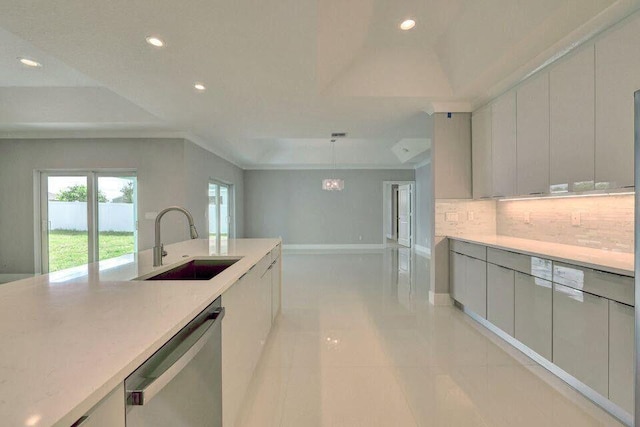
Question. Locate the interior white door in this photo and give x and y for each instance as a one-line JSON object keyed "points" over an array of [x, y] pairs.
{"points": [[404, 215]]}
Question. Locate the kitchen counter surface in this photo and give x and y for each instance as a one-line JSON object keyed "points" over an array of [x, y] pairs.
{"points": [[70, 337], [598, 259]]}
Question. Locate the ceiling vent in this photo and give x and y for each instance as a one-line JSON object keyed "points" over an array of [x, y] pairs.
{"points": [[338, 135]]}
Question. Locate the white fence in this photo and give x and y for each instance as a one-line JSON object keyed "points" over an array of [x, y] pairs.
{"points": [[112, 216], [73, 216]]}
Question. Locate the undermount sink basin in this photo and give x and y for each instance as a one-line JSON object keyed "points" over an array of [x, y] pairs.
{"points": [[199, 269]]}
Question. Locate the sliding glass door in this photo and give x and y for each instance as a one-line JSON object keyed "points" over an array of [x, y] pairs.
{"points": [[220, 215], [85, 217]]}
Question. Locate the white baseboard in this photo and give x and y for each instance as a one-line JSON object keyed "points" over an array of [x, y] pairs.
{"points": [[440, 300], [332, 247], [422, 250]]}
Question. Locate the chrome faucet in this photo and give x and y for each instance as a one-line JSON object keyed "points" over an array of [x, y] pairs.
{"points": [[158, 249]]}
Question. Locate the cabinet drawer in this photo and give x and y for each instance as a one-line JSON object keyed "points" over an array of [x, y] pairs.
{"points": [[533, 266], [262, 265], [469, 249], [607, 285]]}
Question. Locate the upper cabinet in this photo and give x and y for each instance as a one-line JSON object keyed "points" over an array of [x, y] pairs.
{"points": [[503, 145], [572, 100], [481, 153], [617, 78], [569, 129], [533, 136]]}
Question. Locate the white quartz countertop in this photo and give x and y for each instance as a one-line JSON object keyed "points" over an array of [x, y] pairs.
{"points": [[69, 338], [598, 259]]}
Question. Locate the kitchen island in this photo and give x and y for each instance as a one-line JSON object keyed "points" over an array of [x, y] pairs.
{"points": [[69, 338]]}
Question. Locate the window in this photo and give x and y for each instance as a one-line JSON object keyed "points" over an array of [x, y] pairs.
{"points": [[220, 215], [86, 216]]}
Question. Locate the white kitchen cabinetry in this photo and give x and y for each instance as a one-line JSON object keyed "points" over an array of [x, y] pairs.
{"points": [[458, 272], [581, 336], [533, 311], [481, 153], [276, 296], [572, 143], [109, 412], [533, 136], [621, 355], [245, 327], [476, 286], [503, 145], [617, 78], [500, 297]]}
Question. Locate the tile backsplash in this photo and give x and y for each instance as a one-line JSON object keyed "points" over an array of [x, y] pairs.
{"points": [[603, 222], [465, 217]]}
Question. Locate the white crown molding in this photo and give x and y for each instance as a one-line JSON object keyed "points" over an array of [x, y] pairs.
{"points": [[327, 167]]}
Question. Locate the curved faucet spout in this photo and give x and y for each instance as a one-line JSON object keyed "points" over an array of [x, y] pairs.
{"points": [[158, 251]]}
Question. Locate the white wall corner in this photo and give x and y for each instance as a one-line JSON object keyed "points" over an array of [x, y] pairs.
{"points": [[440, 300]]}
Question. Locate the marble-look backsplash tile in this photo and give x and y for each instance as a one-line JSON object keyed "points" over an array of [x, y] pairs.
{"points": [[603, 222], [465, 217]]}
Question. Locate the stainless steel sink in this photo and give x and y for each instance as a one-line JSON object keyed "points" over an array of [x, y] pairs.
{"points": [[198, 269]]}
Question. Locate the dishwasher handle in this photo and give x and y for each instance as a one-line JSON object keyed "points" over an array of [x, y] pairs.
{"points": [[158, 381]]}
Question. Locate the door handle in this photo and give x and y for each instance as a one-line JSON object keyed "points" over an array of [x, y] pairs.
{"points": [[158, 380]]}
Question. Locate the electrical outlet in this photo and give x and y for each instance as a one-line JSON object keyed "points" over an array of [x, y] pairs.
{"points": [[575, 219], [527, 217], [451, 216], [471, 215]]}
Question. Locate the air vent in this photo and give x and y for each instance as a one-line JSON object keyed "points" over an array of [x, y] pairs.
{"points": [[338, 134]]}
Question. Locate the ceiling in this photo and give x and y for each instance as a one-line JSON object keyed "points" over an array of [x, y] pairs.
{"points": [[281, 75]]}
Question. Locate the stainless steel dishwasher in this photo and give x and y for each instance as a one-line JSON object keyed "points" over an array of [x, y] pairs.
{"points": [[180, 384]]}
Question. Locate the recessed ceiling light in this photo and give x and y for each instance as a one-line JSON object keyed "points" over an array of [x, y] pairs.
{"points": [[29, 62], [155, 41], [200, 87], [407, 24]]}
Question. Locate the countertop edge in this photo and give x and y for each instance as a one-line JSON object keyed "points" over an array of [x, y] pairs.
{"points": [[541, 254]]}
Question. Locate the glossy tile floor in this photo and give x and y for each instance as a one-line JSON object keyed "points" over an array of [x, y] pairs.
{"points": [[358, 344]]}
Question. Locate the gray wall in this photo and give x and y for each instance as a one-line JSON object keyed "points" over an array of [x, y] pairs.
{"points": [[167, 175], [292, 204], [200, 166], [424, 206]]}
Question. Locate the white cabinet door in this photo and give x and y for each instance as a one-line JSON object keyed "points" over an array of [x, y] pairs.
{"points": [[110, 412], [581, 336], [404, 215], [617, 78], [503, 145], [533, 136], [621, 355], [476, 286], [572, 100], [533, 311], [481, 156], [243, 335], [457, 276], [501, 297], [276, 289]]}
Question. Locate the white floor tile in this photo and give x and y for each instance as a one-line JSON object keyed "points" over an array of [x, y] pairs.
{"points": [[357, 344]]}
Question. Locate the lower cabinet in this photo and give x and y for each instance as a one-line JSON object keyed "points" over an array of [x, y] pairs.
{"points": [[581, 336], [109, 412], [468, 282], [501, 297], [533, 313], [457, 279], [476, 286], [621, 355], [276, 296], [245, 327]]}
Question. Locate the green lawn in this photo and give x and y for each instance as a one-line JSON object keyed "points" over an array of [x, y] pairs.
{"points": [[68, 248]]}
